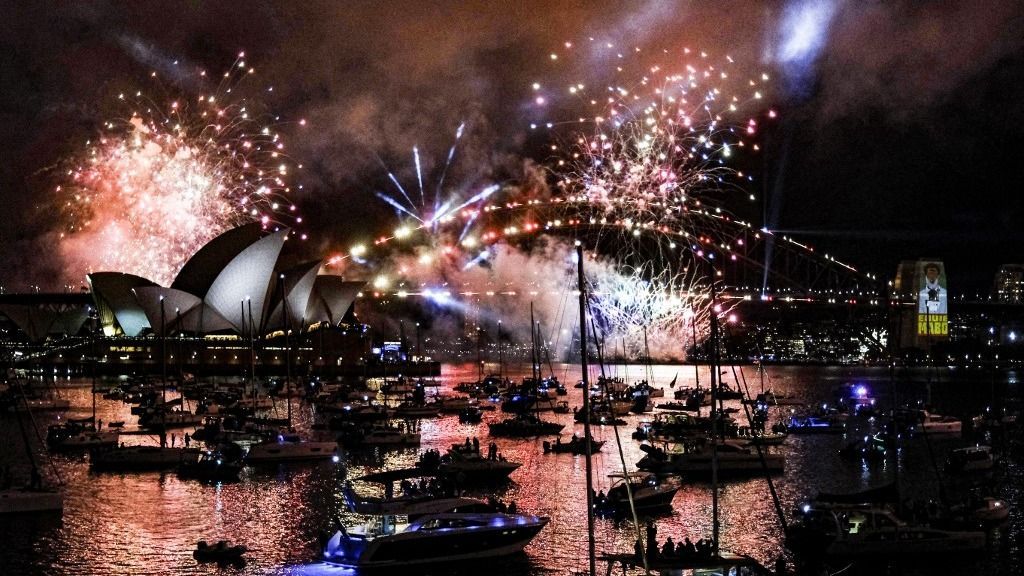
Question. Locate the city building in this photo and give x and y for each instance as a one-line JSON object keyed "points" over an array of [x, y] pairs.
{"points": [[1008, 287]]}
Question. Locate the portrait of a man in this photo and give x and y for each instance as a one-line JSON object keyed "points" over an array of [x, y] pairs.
{"points": [[932, 299]]}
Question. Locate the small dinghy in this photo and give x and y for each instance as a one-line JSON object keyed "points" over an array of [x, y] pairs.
{"points": [[221, 553]]}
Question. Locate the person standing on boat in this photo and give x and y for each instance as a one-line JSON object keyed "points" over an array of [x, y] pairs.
{"points": [[652, 540], [476, 444]]}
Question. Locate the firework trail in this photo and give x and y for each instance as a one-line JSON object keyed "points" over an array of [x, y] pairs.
{"points": [[170, 174]]}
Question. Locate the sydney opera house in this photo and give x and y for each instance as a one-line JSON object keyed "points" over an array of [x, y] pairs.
{"points": [[236, 303]]}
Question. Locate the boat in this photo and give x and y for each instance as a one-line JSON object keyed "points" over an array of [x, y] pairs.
{"points": [[695, 459], [416, 410], [28, 500], [698, 562], [466, 465], [140, 458], [389, 436], [760, 437], [289, 447], [770, 398], [971, 459], [815, 425], [455, 404], [720, 456], [41, 404], [35, 497], [576, 446], [383, 542], [221, 553], [869, 531], [649, 493], [170, 419], [986, 512], [221, 465], [524, 425], [471, 415], [352, 412], [869, 447], [935, 424], [78, 434], [411, 502]]}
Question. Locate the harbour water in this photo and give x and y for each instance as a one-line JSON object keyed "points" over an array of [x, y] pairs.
{"points": [[149, 523]]}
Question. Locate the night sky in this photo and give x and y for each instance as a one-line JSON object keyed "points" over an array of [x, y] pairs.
{"points": [[898, 136]]}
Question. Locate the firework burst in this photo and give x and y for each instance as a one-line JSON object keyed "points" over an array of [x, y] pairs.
{"points": [[170, 174], [640, 178]]}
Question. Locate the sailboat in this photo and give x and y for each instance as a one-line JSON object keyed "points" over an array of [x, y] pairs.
{"points": [[286, 445], [34, 498], [527, 423], [703, 559]]}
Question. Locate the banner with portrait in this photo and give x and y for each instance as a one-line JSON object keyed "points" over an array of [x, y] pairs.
{"points": [[932, 299]]}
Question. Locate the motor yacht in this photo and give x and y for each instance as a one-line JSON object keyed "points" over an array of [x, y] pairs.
{"points": [[970, 459], [649, 492], [466, 465], [408, 504], [385, 542], [289, 447], [935, 424], [868, 531]]}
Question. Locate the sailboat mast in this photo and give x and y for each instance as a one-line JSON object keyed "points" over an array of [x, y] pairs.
{"points": [[501, 355], [479, 359], [163, 351], [533, 346], [647, 360], [252, 355], [586, 408], [163, 375], [287, 354], [716, 421]]}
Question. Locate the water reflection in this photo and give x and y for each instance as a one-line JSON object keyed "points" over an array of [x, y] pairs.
{"points": [[149, 523]]}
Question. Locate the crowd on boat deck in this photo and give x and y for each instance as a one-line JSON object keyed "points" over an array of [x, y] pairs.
{"points": [[435, 487], [685, 550]]}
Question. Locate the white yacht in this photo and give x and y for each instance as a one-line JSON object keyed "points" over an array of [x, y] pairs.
{"points": [[290, 448], [936, 425], [385, 542], [411, 505]]}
